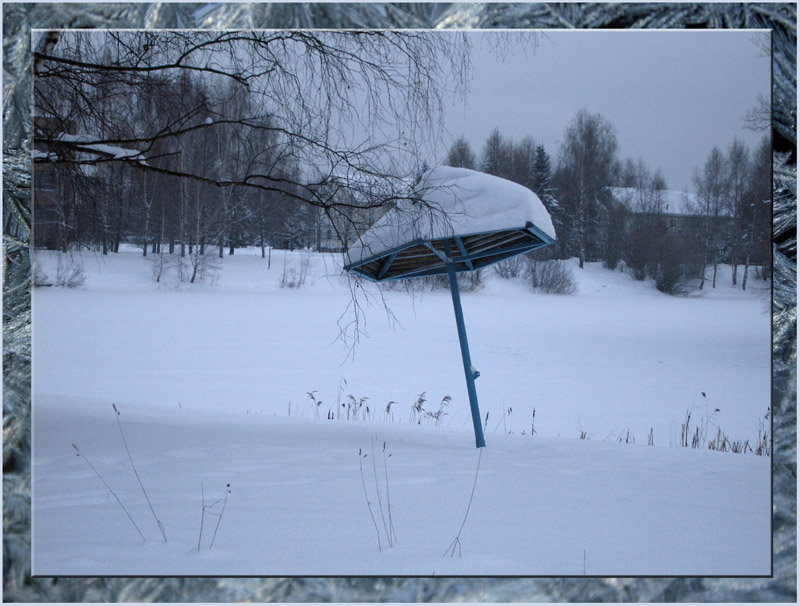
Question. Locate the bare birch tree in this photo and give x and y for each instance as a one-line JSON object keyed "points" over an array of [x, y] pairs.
{"points": [[738, 165], [587, 156], [712, 191]]}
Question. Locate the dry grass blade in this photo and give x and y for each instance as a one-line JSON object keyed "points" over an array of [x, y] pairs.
{"points": [[114, 494], [457, 541], [366, 496], [130, 458]]}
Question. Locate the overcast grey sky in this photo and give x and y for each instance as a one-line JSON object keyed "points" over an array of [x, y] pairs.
{"points": [[672, 96]]}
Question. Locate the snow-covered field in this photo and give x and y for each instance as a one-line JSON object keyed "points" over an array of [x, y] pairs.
{"points": [[212, 381]]}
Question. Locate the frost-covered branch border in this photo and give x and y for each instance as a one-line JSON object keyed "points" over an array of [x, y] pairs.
{"points": [[20, 19]]}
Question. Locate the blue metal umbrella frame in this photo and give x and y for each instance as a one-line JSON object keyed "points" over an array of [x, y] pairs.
{"points": [[451, 255]]}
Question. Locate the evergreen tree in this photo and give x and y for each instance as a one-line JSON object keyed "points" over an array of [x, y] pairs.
{"points": [[629, 174], [542, 176], [523, 162], [496, 157], [542, 171], [460, 154]]}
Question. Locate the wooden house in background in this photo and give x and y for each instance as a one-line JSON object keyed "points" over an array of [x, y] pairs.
{"points": [[52, 191]]}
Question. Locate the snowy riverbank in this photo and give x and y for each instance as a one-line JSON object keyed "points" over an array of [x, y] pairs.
{"points": [[205, 377]]}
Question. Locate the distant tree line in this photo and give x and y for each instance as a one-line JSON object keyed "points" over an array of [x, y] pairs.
{"points": [[159, 210], [727, 220], [186, 143]]}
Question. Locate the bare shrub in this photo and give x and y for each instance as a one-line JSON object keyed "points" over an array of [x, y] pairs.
{"points": [[40, 277], [668, 266], [70, 271], [514, 267], [176, 269], [427, 283], [295, 272], [551, 276], [202, 266], [668, 276], [669, 279], [160, 263], [468, 281], [636, 253]]}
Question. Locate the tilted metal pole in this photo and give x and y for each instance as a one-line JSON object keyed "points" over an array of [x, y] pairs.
{"points": [[469, 371]]}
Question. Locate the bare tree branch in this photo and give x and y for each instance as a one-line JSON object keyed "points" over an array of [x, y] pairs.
{"points": [[360, 103]]}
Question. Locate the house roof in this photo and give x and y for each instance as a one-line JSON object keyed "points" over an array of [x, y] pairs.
{"points": [[85, 143], [667, 201]]}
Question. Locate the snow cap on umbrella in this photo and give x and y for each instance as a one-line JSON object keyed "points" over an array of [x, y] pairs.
{"points": [[468, 217]]}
